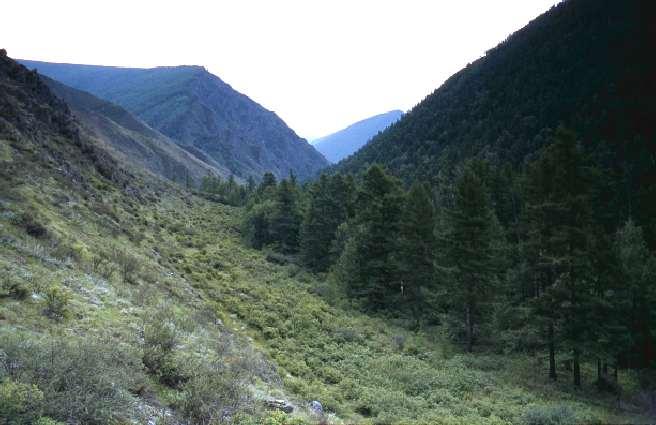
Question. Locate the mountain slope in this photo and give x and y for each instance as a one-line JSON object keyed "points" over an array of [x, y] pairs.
{"points": [[131, 139], [584, 63], [343, 143], [201, 113], [104, 275]]}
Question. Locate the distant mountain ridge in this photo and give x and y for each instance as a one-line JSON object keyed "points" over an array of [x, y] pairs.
{"points": [[199, 112], [130, 139], [343, 143]]}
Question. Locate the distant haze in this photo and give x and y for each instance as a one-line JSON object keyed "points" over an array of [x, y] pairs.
{"points": [[320, 65], [343, 143]]}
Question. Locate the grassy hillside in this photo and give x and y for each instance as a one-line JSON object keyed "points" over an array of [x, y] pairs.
{"points": [[124, 298]]}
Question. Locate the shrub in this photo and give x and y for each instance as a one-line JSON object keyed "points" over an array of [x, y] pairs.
{"points": [[280, 418], [56, 301], [549, 415], [48, 421], [128, 264], [213, 394], [20, 403], [12, 287], [160, 338], [277, 258], [31, 225], [82, 380]]}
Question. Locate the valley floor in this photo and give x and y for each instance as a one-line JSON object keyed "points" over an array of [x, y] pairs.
{"points": [[110, 264]]}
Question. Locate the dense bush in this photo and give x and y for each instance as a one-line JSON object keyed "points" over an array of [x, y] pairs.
{"points": [[19, 403], [218, 391], [57, 299], [214, 393], [549, 415], [160, 338], [32, 225], [128, 264], [11, 286], [81, 380], [48, 421]]}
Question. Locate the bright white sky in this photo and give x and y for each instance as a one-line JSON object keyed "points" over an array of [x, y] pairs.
{"points": [[319, 64]]}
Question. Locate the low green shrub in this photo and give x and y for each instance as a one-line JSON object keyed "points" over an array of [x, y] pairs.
{"points": [[19, 403], [128, 265], [214, 393], [31, 224], [10, 286], [48, 421], [549, 415], [82, 380], [160, 338], [57, 299]]}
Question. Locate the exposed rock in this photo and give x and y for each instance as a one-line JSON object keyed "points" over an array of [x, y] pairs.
{"points": [[282, 405], [316, 408]]}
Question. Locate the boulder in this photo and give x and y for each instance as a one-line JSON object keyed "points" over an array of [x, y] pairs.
{"points": [[282, 405], [316, 408]]}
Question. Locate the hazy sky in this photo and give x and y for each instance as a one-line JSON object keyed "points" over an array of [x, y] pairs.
{"points": [[319, 64]]}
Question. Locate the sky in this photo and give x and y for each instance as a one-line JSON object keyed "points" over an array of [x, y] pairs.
{"points": [[319, 64]]}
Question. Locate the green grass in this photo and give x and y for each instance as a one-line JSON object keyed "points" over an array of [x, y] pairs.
{"points": [[5, 151], [302, 345]]}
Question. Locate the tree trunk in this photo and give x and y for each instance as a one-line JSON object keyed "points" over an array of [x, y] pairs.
{"points": [[552, 354], [605, 368], [470, 329], [599, 371], [577, 369]]}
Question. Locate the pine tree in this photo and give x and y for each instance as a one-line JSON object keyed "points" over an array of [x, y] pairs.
{"points": [[326, 210], [257, 224], [637, 295], [471, 250], [286, 218], [558, 212], [368, 264], [267, 186], [417, 250], [250, 185]]}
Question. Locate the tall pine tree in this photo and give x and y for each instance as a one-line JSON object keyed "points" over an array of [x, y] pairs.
{"points": [[471, 250], [326, 210], [416, 255], [286, 218], [559, 219], [368, 263]]}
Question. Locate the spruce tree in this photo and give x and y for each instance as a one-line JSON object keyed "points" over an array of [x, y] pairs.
{"points": [[558, 211], [417, 250], [636, 294], [286, 218], [326, 210], [368, 264], [267, 186], [471, 250]]}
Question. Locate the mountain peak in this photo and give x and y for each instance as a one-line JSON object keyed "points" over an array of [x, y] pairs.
{"points": [[201, 113]]}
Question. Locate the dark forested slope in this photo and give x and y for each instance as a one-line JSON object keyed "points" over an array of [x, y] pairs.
{"points": [[201, 113], [584, 63]]}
